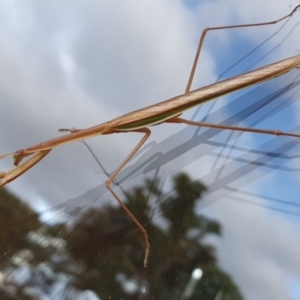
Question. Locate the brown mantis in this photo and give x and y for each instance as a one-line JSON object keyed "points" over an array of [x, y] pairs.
{"points": [[168, 111]]}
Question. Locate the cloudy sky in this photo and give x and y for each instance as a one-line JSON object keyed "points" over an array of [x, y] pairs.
{"points": [[67, 64]]}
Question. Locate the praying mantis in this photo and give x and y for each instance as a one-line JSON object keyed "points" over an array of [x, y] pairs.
{"points": [[168, 111]]}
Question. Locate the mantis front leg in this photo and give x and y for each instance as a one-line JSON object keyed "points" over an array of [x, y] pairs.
{"points": [[10, 175]]}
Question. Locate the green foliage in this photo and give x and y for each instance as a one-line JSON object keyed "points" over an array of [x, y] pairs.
{"points": [[104, 251], [17, 219], [111, 247]]}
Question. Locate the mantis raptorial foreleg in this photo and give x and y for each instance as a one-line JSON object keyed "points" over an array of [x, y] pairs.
{"points": [[10, 175], [164, 112]]}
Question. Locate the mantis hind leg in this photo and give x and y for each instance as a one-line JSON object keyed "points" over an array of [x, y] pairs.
{"points": [[203, 35], [235, 128]]}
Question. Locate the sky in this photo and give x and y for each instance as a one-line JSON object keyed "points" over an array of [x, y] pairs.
{"points": [[77, 64]]}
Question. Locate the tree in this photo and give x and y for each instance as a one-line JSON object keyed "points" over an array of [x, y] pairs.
{"points": [[102, 253], [112, 249], [16, 220]]}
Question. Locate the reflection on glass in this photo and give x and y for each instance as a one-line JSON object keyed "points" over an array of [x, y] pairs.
{"points": [[100, 256]]}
